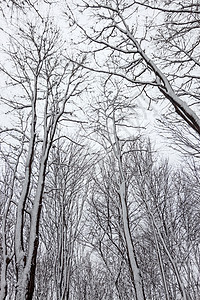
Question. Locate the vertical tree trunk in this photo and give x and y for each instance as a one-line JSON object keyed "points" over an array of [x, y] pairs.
{"points": [[161, 265], [133, 265], [21, 288], [173, 263]]}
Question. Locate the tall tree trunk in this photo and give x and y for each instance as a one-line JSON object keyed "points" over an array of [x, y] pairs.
{"points": [[133, 265]]}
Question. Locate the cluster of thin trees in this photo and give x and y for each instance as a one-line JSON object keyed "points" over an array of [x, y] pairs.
{"points": [[89, 209]]}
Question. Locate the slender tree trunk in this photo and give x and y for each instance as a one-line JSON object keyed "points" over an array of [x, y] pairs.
{"points": [[135, 272], [3, 291], [161, 265], [19, 247], [173, 263], [133, 265], [6, 259]]}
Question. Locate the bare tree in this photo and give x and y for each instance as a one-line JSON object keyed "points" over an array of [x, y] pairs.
{"points": [[45, 81], [162, 192], [65, 195], [111, 115], [153, 199], [115, 33], [11, 180]]}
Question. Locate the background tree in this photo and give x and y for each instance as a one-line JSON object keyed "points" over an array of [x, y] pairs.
{"points": [[112, 116], [65, 195]]}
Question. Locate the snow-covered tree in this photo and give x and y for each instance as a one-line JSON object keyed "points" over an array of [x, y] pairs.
{"points": [[42, 81]]}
